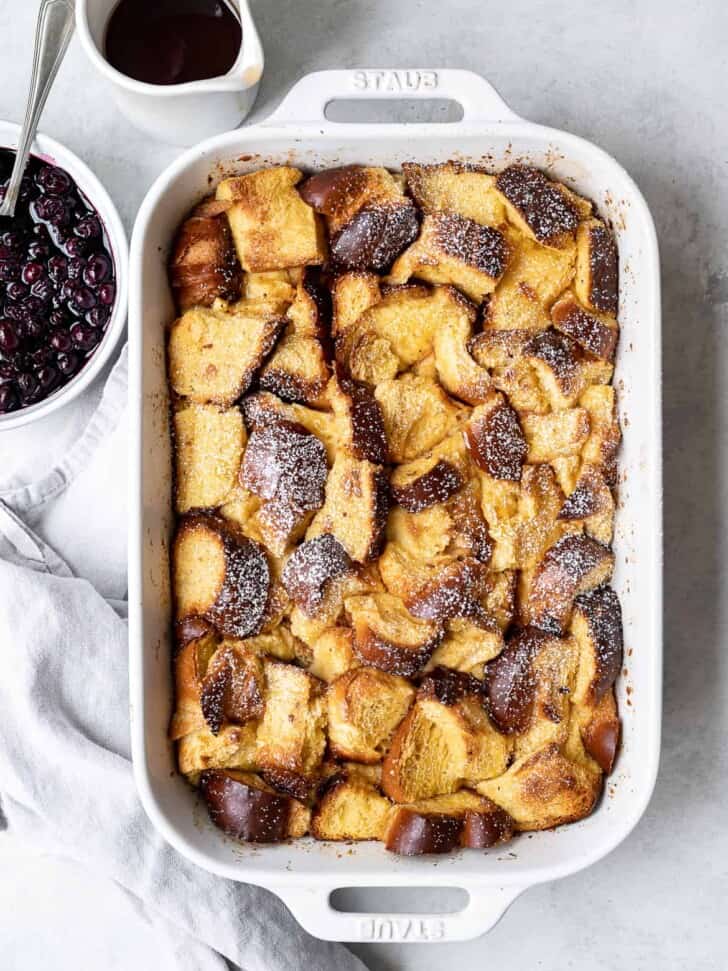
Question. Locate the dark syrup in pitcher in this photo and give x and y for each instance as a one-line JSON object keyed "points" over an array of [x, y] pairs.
{"points": [[172, 41]]}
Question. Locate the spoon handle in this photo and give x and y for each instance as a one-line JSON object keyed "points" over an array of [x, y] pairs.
{"points": [[52, 34]]}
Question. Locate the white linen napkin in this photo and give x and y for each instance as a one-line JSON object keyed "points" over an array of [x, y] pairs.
{"points": [[66, 782]]}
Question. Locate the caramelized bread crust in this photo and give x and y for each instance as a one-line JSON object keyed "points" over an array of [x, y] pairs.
{"points": [[395, 460]]}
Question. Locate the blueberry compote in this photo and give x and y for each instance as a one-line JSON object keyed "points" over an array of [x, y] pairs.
{"points": [[57, 284]]}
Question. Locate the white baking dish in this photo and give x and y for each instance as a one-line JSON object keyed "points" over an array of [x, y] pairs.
{"points": [[304, 874]]}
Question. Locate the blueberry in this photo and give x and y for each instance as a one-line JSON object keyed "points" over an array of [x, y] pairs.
{"points": [[57, 268], [41, 232], [9, 270], [8, 336], [58, 318], [51, 210], [7, 370], [54, 181], [33, 329], [32, 307], [38, 251], [8, 398], [16, 290], [31, 272], [41, 356], [107, 294], [98, 269], [68, 288], [88, 228], [47, 377], [13, 240], [76, 246], [67, 363], [60, 340], [28, 386], [84, 337], [98, 317], [82, 300]]}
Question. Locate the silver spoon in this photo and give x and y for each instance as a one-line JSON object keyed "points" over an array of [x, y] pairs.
{"points": [[52, 34]]}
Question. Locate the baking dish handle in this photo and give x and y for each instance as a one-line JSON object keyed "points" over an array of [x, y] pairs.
{"points": [[312, 909], [306, 102]]}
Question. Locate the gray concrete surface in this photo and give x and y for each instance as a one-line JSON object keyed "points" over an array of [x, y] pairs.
{"points": [[645, 80]]}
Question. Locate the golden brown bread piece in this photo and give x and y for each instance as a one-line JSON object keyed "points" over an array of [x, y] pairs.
{"points": [[332, 653], [597, 267], [340, 193], [455, 250], [558, 434], [600, 735], [298, 369], [209, 446], [291, 736], [214, 355], [190, 665], [431, 481], [272, 226], [596, 625], [417, 415], [234, 747], [365, 706], [596, 332], [369, 218], [591, 505], [204, 266], [444, 823], [574, 564], [455, 188], [503, 352], [244, 806], [538, 207], [273, 286], [446, 740], [311, 569], [458, 373], [545, 789], [387, 636], [600, 448], [349, 808], [398, 330], [495, 439], [563, 368], [285, 466], [359, 420], [219, 575], [355, 510], [231, 691], [264, 408], [352, 294], [539, 510], [375, 236]]}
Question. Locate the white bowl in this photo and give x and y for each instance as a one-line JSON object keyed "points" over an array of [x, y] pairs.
{"points": [[53, 151]]}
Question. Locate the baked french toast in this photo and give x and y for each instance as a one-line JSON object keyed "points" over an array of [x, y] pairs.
{"points": [[395, 443]]}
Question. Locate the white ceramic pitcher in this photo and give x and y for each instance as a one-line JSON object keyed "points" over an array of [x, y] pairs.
{"points": [[182, 114]]}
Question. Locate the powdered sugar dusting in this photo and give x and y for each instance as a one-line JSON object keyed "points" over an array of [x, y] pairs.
{"points": [[547, 210], [483, 247], [311, 567]]}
